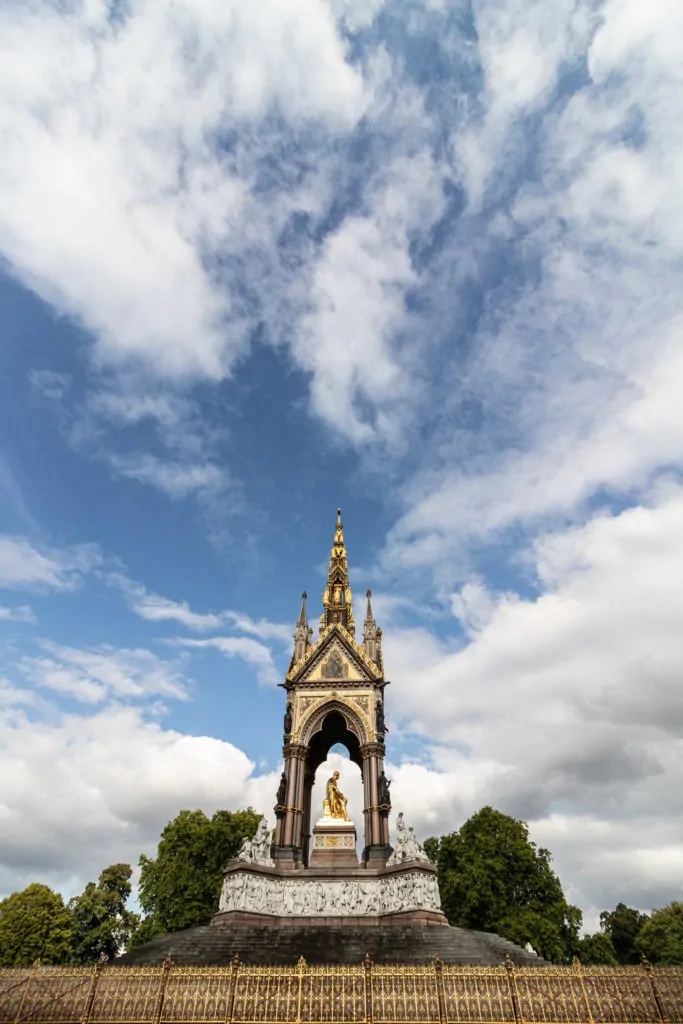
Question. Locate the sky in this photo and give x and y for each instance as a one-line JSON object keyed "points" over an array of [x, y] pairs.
{"points": [[417, 258]]}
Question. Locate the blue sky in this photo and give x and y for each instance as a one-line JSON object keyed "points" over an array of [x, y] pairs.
{"points": [[417, 259]]}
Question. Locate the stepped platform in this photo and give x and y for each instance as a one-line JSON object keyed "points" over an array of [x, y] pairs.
{"points": [[216, 945]]}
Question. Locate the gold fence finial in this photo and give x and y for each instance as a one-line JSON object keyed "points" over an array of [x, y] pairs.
{"points": [[645, 963], [236, 960], [509, 966]]}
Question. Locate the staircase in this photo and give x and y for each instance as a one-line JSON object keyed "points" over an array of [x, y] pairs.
{"points": [[216, 945]]}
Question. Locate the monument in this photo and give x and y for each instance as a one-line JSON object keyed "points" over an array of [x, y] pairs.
{"points": [[302, 889], [310, 871]]}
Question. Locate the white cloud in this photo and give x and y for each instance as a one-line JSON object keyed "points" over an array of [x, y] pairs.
{"points": [[21, 613], [156, 608], [522, 46], [83, 791], [251, 651], [24, 566], [565, 709], [350, 339], [176, 479], [120, 193], [95, 675], [574, 367]]}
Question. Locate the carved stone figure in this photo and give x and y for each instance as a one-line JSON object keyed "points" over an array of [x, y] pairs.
{"points": [[281, 790], [257, 850], [287, 725], [407, 846], [380, 727], [383, 784], [335, 804]]}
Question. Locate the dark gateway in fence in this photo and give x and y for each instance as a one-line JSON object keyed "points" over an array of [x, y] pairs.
{"points": [[363, 993]]}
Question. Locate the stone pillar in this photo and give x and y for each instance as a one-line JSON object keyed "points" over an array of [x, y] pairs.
{"points": [[309, 779], [285, 846], [299, 807], [376, 833]]}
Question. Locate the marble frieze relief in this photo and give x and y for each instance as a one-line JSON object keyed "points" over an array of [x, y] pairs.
{"points": [[263, 894]]}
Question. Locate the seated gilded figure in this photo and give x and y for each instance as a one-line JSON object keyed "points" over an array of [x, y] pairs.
{"points": [[335, 804]]}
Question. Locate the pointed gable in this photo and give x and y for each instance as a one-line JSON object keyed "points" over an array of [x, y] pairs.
{"points": [[335, 657]]}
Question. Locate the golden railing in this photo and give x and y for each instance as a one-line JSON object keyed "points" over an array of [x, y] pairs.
{"points": [[359, 994]]}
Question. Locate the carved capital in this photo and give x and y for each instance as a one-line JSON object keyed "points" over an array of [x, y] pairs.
{"points": [[372, 750], [296, 750]]}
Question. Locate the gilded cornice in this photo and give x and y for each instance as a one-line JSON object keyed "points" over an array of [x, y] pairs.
{"points": [[316, 649]]}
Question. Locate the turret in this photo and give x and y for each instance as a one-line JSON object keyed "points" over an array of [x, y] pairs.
{"points": [[370, 631], [302, 633], [337, 599]]}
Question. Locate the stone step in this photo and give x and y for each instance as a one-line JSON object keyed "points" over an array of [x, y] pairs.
{"points": [[215, 945]]}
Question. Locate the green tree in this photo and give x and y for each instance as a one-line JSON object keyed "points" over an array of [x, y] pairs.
{"points": [[431, 848], [102, 924], [596, 949], [661, 937], [148, 929], [492, 878], [180, 887], [34, 924], [623, 926]]}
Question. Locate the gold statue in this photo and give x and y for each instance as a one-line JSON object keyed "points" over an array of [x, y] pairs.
{"points": [[335, 804]]}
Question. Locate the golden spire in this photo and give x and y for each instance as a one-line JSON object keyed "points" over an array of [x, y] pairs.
{"points": [[337, 599]]}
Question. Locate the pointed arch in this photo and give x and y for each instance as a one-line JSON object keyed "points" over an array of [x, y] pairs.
{"points": [[314, 724]]}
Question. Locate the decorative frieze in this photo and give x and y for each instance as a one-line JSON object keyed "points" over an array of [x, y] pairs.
{"points": [[259, 893]]}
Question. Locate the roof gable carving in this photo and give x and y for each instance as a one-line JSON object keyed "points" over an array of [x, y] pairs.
{"points": [[335, 656]]}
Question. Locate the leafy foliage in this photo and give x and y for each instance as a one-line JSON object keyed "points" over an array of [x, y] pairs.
{"points": [[661, 937], [623, 926], [431, 848], [102, 924], [492, 878], [34, 924], [148, 928], [181, 886], [596, 949]]}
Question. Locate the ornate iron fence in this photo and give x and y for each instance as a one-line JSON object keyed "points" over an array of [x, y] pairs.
{"points": [[360, 994]]}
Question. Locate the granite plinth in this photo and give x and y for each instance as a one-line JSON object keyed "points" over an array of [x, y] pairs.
{"points": [[334, 844]]}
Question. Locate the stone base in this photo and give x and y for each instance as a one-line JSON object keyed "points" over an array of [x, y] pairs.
{"points": [[240, 918], [327, 944], [334, 844], [405, 893]]}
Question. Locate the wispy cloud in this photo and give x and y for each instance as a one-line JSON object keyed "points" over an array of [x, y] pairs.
{"points": [[176, 479], [251, 651], [156, 608], [147, 174], [26, 566], [20, 613], [93, 675]]}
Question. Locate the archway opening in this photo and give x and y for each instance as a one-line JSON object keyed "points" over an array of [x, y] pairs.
{"points": [[334, 732], [335, 748]]}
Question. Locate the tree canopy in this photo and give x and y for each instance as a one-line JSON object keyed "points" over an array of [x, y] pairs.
{"points": [[623, 925], [180, 887], [661, 937], [101, 922], [34, 925], [596, 949], [493, 878]]}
